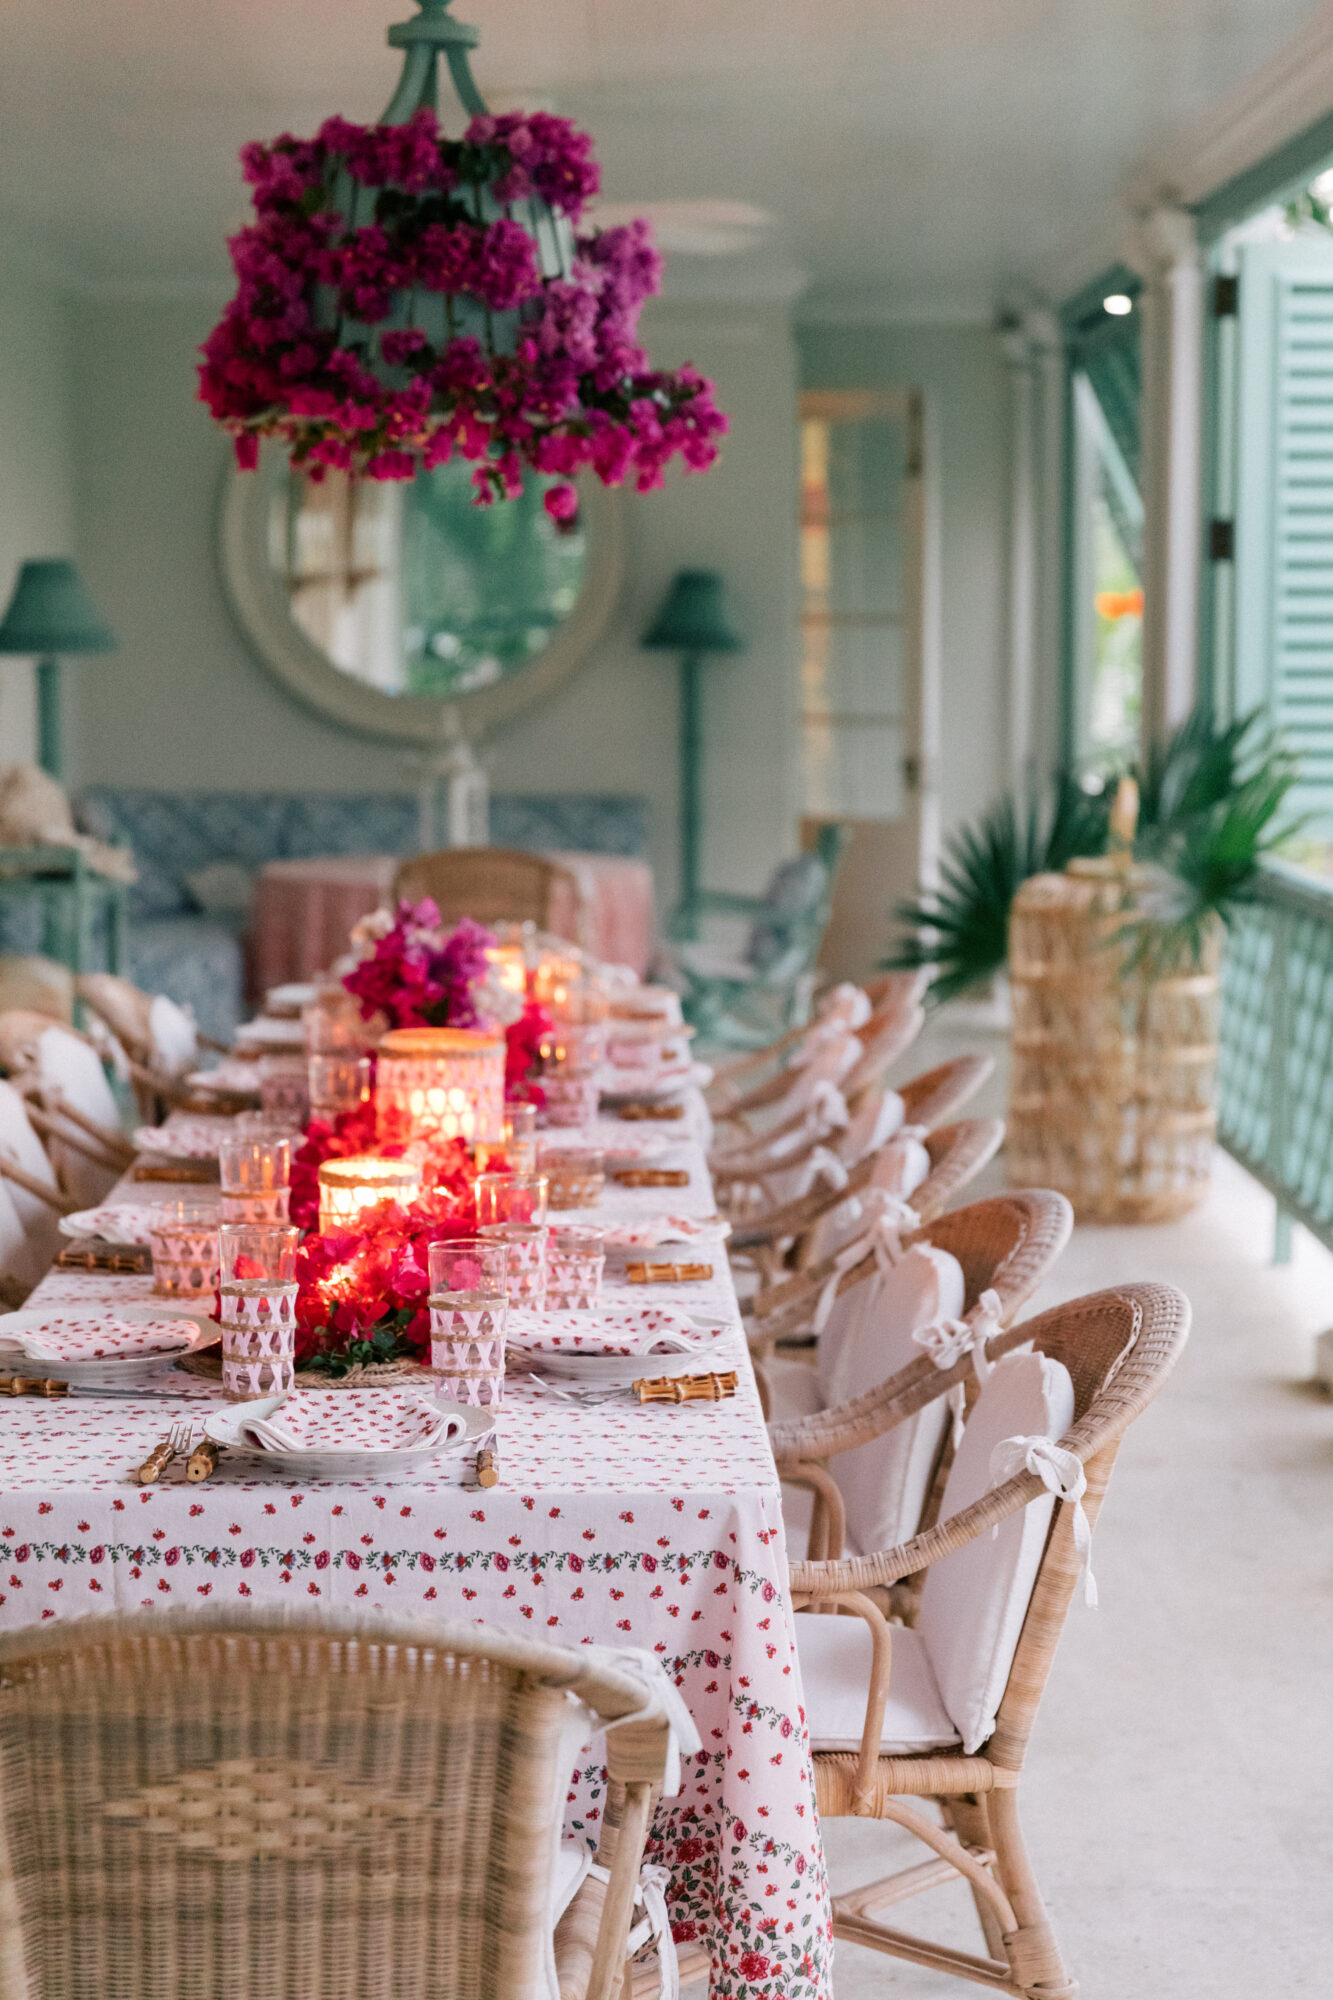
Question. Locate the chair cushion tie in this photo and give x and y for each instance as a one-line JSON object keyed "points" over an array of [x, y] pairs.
{"points": [[1061, 1473]]}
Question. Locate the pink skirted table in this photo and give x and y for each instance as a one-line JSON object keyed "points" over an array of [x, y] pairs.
{"points": [[303, 911], [612, 1524]]}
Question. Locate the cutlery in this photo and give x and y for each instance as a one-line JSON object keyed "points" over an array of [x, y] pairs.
{"points": [[87, 1255], [643, 1177], [203, 1460], [32, 1385], [488, 1466], [159, 1458], [668, 1274], [635, 1112], [687, 1388]]}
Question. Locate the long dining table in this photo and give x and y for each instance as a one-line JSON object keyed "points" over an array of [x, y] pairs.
{"points": [[653, 1525]]}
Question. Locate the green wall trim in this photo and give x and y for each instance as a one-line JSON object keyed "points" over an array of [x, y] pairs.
{"points": [[1281, 173]]}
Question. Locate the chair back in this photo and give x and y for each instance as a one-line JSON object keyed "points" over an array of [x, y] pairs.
{"points": [[38, 1219], [957, 1155], [785, 937], [323, 1805], [494, 885], [884, 1038], [124, 1009], [71, 1073], [939, 1093]]}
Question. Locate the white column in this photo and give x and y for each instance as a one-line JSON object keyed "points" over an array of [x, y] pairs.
{"points": [[1034, 355], [1165, 251]]}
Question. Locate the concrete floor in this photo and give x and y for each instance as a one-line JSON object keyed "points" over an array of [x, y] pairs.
{"points": [[1177, 1793]]}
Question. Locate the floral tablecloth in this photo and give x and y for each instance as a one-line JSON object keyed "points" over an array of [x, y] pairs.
{"points": [[656, 1526]]}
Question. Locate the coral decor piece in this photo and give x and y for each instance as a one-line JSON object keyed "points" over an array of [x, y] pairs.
{"points": [[402, 295]]}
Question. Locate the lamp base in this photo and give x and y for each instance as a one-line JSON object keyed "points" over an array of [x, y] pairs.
{"points": [[49, 751]]}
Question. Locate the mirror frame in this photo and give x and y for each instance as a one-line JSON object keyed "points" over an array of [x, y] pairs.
{"points": [[259, 606]]}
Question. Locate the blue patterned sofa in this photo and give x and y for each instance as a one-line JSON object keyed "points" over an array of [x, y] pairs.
{"points": [[175, 947]]}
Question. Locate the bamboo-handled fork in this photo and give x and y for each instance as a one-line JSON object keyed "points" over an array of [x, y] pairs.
{"points": [[173, 1445]]}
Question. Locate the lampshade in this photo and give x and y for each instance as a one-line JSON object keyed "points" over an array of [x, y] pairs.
{"points": [[692, 618], [51, 612]]}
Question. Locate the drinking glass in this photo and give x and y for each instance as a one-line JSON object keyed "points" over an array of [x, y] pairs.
{"points": [[336, 1083], [183, 1236], [526, 1244], [521, 1137], [284, 1089], [258, 1308], [575, 1256], [469, 1309], [510, 1198], [577, 1175], [571, 1098], [256, 1179]]}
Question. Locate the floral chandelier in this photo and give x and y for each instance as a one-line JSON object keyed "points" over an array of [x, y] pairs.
{"points": [[402, 295]]}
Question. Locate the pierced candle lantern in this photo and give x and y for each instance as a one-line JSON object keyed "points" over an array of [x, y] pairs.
{"points": [[556, 983], [256, 1179], [183, 1236], [446, 1083], [347, 1188], [509, 968], [339, 1082], [469, 1313]]}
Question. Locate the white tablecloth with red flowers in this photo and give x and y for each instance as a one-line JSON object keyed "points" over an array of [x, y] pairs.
{"points": [[656, 1526]]}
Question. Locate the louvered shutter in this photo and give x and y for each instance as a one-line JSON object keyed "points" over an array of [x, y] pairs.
{"points": [[1284, 504]]}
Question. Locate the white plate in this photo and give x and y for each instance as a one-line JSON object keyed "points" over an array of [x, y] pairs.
{"points": [[616, 1088], [224, 1427], [183, 1138], [286, 1002], [108, 1371], [114, 1222], [233, 1074], [631, 1236], [271, 1032]]}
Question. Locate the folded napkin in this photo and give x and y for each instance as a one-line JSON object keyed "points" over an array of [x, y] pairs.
{"points": [[183, 1138], [114, 1222], [70, 1336], [353, 1420], [609, 1334]]}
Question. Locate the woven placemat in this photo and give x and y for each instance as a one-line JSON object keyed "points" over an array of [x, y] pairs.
{"points": [[361, 1375]]}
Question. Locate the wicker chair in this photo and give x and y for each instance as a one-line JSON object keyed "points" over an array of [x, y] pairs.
{"points": [[773, 1240], [275, 1806], [1118, 1346], [493, 884], [889, 1033]]}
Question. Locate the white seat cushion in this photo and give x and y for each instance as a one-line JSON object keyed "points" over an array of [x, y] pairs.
{"points": [[884, 1484], [38, 1218], [901, 1166], [175, 1037], [69, 1066], [974, 1601], [573, 1858], [798, 1507], [870, 1126], [835, 1655], [793, 1388]]}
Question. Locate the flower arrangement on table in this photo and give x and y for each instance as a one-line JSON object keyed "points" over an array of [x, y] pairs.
{"points": [[392, 308], [362, 1292]]}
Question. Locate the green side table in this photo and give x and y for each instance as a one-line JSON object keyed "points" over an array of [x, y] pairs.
{"points": [[71, 897]]}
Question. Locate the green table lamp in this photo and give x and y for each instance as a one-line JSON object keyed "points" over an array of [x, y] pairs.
{"points": [[50, 613], [691, 622]]}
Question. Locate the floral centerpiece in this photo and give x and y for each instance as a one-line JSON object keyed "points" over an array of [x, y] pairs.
{"points": [[402, 295]]}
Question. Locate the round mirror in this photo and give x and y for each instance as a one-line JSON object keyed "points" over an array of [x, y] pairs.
{"points": [[387, 605]]}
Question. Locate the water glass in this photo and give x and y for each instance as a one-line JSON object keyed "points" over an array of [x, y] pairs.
{"points": [[526, 1268], [258, 1309], [521, 1138], [572, 1048], [183, 1236], [577, 1175], [332, 1025], [571, 1099], [256, 1179], [510, 1198], [469, 1309], [575, 1257], [284, 1090], [337, 1083]]}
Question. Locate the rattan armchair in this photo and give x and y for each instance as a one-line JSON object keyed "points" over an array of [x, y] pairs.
{"points": [[1118, 1346], [328, 1806], [884, 1037], [492, 884]]}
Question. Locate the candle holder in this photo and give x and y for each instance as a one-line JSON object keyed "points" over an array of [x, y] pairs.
{"points": [[577, 1175], [525, 1243], [348, 1188], [184, 1239], [573, 1048], [511, 1197], [256, 1179], [445, 1083], [575, 1259], [509, 969], [469, 1311], [284, 1090], [258, 1309], [333, 1025], [337, 1083], [570, 1100]]}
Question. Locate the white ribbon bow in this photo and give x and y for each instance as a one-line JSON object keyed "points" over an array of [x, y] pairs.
{"points": [[830, 1106], [890, 1216], [845, 1003], [946, 1341], [821, 1165], [650, 1896], [1062, 1474]]}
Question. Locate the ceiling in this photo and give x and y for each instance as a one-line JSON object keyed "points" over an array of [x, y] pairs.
{"points": [[926, 156]]}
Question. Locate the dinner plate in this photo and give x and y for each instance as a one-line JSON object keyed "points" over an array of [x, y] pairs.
{"points": [[106, 1371], [234, 1074], [114, 1222], [631, 1235], [619, 1085], [529, 1335], [271, 1032], [225, 1428], [184, 1138], [286, 1002]]}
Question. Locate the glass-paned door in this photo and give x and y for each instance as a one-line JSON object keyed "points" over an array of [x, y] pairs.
{"points": [[1106, 517]]}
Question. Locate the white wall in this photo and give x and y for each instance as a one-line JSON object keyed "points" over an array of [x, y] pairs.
{"points": [[184, 702], [35, 510], [961, 371]]}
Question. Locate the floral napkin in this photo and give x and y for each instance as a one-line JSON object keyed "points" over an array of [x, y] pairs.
{"points": [[181, 1138], [74, 1336], [646, 1232], [115, 1222], [353, 1420], [648, 1330]]}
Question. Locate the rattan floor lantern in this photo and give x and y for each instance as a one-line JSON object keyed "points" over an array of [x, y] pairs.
{"points": [[1112, 1094]]}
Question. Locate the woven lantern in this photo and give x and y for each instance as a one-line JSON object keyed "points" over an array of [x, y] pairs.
{"points": [[1112, 1092]]}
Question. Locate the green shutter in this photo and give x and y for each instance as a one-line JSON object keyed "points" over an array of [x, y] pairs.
{"points": [[1284, 503]]}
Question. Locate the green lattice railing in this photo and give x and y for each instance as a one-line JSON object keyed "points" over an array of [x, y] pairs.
{"points": [[1276, 1072]]}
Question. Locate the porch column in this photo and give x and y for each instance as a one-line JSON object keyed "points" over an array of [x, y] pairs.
{"points": [[1033, 355], [1165, 250]]}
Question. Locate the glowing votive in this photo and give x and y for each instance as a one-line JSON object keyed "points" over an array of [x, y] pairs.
{"points": [[348, 1187], [446, 1083]]}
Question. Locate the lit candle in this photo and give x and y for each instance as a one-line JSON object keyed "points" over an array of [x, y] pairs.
{"points": [[348, 1187], [510, 969], [445, 1083]]}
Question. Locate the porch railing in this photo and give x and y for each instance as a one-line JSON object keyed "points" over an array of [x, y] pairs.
{"points": [[1276, 1069]]}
